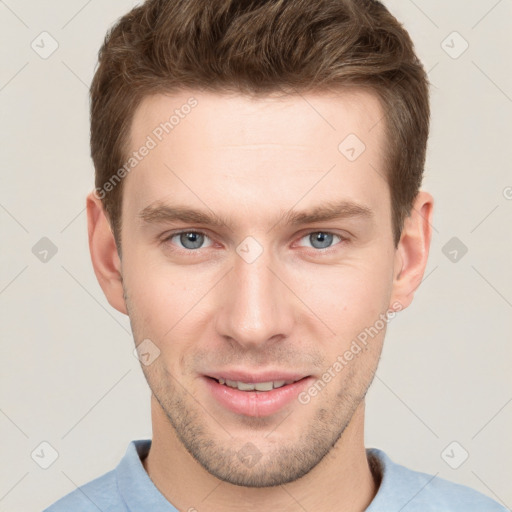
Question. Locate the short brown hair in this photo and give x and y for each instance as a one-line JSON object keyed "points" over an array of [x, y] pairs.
{"points": [[259, 47]]}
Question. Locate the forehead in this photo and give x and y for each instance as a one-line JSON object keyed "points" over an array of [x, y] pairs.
{"points": [[237, 150], [273, 119]]}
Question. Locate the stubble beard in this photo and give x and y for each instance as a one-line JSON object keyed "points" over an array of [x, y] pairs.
{"points": [[220, 452], [224, 454]]}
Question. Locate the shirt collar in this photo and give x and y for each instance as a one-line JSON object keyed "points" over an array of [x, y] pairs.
{"points": [[135, 487]]}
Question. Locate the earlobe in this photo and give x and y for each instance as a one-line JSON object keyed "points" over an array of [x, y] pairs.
{"points": [[411, 255], [104, 255]]}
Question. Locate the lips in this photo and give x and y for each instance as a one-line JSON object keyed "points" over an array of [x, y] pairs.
{"points": [[232, 390]]}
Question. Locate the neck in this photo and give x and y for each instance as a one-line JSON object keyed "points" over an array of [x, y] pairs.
{"points": [[343, 480]]}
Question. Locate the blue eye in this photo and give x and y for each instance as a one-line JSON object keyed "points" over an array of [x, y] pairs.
{"points": [[189, 240], [321, 239], [193, 240]]}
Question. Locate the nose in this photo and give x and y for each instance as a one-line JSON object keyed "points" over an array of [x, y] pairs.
{"points": [[256, 308]]}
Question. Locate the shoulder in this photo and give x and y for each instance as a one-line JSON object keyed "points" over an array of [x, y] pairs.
{"points": [[98, 494], [415, 491]]}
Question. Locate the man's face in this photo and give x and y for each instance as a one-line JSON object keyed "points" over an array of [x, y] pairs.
{"points": [[260, 297]]}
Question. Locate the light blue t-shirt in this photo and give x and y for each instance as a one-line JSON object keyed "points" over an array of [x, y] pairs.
{"points": [[128, 488]]}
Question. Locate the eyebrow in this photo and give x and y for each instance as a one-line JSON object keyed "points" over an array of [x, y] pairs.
{"points": [[159, 213]]}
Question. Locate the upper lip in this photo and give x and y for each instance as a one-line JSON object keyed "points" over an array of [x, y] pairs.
{"points": [[253, 377]]}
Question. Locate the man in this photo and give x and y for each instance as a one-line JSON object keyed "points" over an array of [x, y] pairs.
{"points": [[257, 210]]}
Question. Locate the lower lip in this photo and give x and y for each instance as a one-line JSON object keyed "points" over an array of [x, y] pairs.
{"points": [[256, 403]]}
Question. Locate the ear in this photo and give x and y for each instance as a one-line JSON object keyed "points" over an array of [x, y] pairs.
{"points": [[104, 256], [412, 252]]}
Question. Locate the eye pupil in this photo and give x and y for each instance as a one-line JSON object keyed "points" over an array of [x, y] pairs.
{"points": [[325, 239], [191, 240]]}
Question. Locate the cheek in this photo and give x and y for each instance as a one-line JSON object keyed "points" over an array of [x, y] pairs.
{"points": [[359, 288], [166, 301]]}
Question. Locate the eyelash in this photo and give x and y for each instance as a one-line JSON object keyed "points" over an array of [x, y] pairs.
{"points": [[326, 250]]}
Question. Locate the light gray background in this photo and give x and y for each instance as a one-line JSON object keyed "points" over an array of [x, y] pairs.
{"points": [[68, 373]]}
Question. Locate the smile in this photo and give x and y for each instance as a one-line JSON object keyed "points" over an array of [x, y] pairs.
{"points": [[255, 386], [255, 399]]}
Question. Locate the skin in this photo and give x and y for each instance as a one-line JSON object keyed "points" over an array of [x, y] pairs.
{"points": [[293, 308]]}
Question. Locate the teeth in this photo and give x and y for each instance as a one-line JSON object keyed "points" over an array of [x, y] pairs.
{"points": [[263, 386], [259, 386], [242, 386]]}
